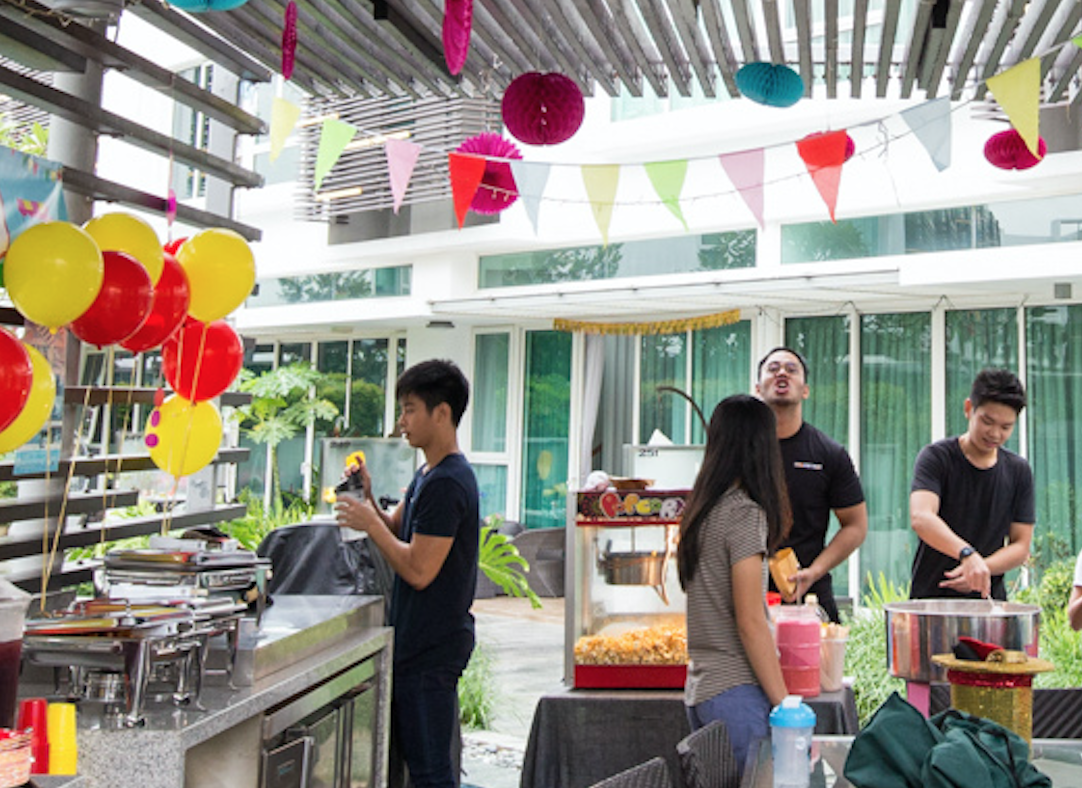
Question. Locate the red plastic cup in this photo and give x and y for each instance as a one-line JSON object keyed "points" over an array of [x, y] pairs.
{"points": [[33, 714]]}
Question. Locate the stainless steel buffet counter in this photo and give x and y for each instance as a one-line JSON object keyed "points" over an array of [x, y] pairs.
{"points": [[310, 651]]}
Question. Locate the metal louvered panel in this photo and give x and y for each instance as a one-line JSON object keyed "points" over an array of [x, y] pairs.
{"points": [[18, 115], [438, 125]]}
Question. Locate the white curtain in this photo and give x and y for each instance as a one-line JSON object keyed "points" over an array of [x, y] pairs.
{"points": [[591, 395]]}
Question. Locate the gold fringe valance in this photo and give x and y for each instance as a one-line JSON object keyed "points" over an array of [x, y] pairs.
{"points": [[649, 328]]}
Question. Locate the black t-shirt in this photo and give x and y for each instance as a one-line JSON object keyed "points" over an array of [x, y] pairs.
{"points": [[434, 627], [979, 504], [821, 477]]}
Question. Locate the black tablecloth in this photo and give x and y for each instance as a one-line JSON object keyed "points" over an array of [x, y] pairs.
{"points": [[580, 737]]}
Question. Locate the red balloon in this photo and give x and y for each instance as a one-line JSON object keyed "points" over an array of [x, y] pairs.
{"points": [[122, 304], [172, 246], [201, 360], [167, 311], [16, 377]]}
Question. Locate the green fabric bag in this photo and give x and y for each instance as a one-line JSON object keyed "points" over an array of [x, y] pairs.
{"points": [[889, 752], [978, 751]]}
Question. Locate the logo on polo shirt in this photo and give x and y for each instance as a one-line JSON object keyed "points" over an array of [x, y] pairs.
{"points": [[808, 466]]}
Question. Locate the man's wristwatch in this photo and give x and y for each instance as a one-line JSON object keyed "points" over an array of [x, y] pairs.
{"points": [[965, 553]]}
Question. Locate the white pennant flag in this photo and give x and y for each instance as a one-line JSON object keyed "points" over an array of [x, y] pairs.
{"points": [[530, 180], [931, 122]]}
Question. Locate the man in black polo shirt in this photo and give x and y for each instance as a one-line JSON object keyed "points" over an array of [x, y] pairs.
{"points": [[820, 477], [971, 501]]}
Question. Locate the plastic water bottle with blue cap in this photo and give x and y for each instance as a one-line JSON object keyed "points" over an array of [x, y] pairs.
{"points": [[792, 723]]}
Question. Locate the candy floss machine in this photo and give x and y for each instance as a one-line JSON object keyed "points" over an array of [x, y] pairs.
{"points": [[625, 610]]}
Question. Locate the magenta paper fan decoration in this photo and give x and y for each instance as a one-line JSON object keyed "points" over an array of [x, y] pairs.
{"points": [[850, 146], [1008, 151], [457, 23], [543, 109], [497, 191], [289, 40]]}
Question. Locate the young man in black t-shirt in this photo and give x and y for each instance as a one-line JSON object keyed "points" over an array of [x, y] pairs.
{"points": [[431, 542], [820, 476], [971, 501]]}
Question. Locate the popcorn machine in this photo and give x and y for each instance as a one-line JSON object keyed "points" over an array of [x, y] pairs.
{"points": [[625, 611]]}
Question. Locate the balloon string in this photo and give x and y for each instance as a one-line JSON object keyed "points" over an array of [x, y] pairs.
{"points": [[128, 399], [191, 409], [47, 570]]}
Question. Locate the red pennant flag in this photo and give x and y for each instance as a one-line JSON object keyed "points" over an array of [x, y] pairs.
{"points": [[824, 155], [466, 174]]}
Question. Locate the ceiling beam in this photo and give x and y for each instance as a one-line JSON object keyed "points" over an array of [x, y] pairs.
{"points": [[973, 35], [718, 36], [601, 24], [100, 189], [35, 50], [830, 34], [773, 31], [655, 17], [886, 47], [856, 48], [86, 44], [938, 48], [918, 35], [642, 47], [89, 116], [993, 65], [686, 22], [411, 38], [594, 61], [802, 9], [745, 31], [199, 38]]}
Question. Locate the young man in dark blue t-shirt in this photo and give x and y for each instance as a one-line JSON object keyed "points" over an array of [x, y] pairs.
{"points": [[431, 542], [971, 501]]}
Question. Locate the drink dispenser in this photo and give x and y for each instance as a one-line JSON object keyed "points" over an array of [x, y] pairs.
{"points": [[13, 604]]}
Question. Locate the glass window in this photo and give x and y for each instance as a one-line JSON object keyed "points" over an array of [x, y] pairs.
{"points": [[895, 423], [334, 286], [720, 360], [368, 388], [681, 254], [294, 353], [492, 482], [547, 423], [824, 343], [332, 359], [977, 339], [259, 358], [490, 383], [663, 364], [1053, 358]]}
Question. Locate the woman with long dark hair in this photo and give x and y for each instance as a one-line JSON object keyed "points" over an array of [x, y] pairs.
{"points": [[737, 514]]}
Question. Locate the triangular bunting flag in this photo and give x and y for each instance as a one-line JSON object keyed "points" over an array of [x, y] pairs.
{"points": [[668, 180], [601, 181], [466, 173], [745, 170], [284, 117], [824, 155], [931, 122], [1018, 91], [1077, 41], [401, 159], [333, 139], [530, 180]]}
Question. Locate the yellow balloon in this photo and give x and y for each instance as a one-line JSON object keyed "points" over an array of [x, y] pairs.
{"points": [[37, 408], [221, 272], [53, 272], [122, 232], [183, 436]]}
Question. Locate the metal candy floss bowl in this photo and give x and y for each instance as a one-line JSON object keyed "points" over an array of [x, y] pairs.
{"points": [[921, 628]]}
